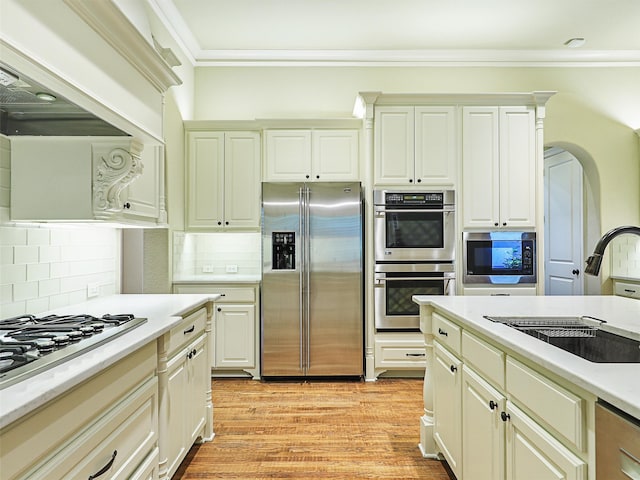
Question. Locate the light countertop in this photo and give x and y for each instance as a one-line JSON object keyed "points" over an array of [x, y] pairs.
{"points": [[616, 383], [162, 312]]}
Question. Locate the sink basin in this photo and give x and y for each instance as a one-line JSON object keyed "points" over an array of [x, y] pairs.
{"points": [[581, 336]]}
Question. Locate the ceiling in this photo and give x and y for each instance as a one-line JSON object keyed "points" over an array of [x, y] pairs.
{"points": [[220, 32]]}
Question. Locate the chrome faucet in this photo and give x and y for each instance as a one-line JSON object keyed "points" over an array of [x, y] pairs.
{"points": [[594, 261]]}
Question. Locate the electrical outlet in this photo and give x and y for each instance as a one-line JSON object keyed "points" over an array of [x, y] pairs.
{"points": [[93, 290], [207, 268], [232, 268]]}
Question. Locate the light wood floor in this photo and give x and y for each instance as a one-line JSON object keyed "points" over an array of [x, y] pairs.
{"points": [[315, 429]]}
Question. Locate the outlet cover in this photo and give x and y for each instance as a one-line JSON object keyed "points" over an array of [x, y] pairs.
{"points": [[93, 290], [232, 268], [207, 269]]}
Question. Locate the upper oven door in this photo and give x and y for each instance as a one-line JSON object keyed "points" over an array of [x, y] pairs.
{"points": [[414, 234]]}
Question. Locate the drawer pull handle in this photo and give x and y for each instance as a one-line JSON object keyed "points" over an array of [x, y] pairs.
{"points": [[504, 416], [628, 290], [453, 368], [106, 468], [442, 332], [492, 405], [190, 329], [416, 354]]}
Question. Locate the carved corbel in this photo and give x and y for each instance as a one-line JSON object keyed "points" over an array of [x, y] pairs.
{"points": [[115, 166]]}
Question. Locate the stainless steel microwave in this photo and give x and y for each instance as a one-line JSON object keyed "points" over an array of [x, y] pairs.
{"points": [[502, 258]]}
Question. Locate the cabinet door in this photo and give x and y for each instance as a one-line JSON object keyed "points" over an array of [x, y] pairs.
{"points": [[483, 439], [533, 454], [197, 378], [517, 167], [287, 155], [447, 407], [242, 180], [177, 398], [394, 145], [435, 145], [205, 174], [142, 198], [235, 336], [335, 155], [480, 167]]}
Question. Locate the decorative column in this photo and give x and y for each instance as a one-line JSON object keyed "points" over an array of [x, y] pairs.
{"points": [[365, 110], [427, 443], [208, 425], [163, 407]]}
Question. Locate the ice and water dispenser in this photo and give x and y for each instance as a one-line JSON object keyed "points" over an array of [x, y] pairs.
{"points": [[283, 250]]}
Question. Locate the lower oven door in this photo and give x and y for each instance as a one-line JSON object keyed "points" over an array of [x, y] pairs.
{"points": [[393, 290]]}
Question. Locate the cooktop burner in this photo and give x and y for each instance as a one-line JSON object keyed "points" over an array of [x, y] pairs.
{"points": [[30, 344]]}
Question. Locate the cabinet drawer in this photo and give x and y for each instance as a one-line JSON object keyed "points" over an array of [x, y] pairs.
{"points": [[117, 444], [63, 419], [400, 354], [485, 358], [188, 330], [562, 410], [447, 333]]}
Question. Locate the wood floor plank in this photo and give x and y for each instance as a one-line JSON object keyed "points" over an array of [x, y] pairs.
{"points": [[313, 430]]}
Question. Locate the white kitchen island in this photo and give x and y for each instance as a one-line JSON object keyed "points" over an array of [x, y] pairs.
{"points": [[502, 403], [117, 406]]}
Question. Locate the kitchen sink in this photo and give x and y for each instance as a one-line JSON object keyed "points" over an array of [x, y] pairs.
{"points": [[581, 336]]}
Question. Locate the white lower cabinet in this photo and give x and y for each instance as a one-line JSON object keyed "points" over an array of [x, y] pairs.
{"points": [[187, 383], [497, 418], [534, 454], [107, 425], [482, 427], [399, 351], [235, 338], [447, 371]]}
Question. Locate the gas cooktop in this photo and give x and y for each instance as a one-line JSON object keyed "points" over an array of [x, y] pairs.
{"points": [[30, 344]]}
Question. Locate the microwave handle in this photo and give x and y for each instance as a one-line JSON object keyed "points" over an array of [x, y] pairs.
{"points": [[381, 281]]}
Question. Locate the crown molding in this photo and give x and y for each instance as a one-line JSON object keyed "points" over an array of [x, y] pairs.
{"points": [[117, 30], [538, 98], [436, 58]]}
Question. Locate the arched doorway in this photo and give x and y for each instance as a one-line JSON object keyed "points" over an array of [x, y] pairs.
{"points": [[571, 219]]}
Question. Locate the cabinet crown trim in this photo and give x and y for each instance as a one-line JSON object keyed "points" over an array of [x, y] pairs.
{"points": [[495, 99]]}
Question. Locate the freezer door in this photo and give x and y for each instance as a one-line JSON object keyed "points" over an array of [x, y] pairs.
{"points": [[281, 319], [335, 291]]}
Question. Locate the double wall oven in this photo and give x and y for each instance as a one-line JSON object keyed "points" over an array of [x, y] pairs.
{"points": [[414, 243]]}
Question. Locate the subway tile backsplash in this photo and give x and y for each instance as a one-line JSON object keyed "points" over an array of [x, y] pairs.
{"points": [[48, 267], [625, 256], [201, 254]]}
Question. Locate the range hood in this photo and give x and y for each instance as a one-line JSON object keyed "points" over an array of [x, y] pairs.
{"points": [[29, 108]]}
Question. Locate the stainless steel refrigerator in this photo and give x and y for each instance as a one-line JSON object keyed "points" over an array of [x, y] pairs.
{"points": [[312, 280]]}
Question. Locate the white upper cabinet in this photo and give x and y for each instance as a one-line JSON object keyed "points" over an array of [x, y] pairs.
{"points": [[415, 145], [87, 179], [498, 167], [301, 155], [223, 180]]}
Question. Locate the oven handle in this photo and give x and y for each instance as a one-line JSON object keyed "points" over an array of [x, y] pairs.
{"points": [[381, 281], [382, 211]]}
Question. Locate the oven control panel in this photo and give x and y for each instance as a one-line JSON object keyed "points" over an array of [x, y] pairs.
{"points": [[424, 199]]}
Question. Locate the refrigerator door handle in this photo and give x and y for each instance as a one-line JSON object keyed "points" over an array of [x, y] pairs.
{"points": [[307, 268], [301, 266]]}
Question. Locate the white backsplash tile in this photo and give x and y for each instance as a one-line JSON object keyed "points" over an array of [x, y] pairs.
{"points": [[195, 252], [625, 256], [49, 267]]}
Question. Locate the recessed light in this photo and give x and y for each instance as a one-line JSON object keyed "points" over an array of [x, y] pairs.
{"points": [[46, 96], [575, 42]]}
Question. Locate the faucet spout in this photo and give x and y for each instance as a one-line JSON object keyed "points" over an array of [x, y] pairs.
{"points": [[595, 261]]}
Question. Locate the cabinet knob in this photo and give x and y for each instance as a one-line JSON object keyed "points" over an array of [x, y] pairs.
{"points": [[226, 223], [219, 309], [411, 180], [504, 416], [126, 205], [318, 177], [575, 271], [306, 176], [453, 368], [504, 224], [219, 223], [492, 405], [419, 180], [495, 224]]}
